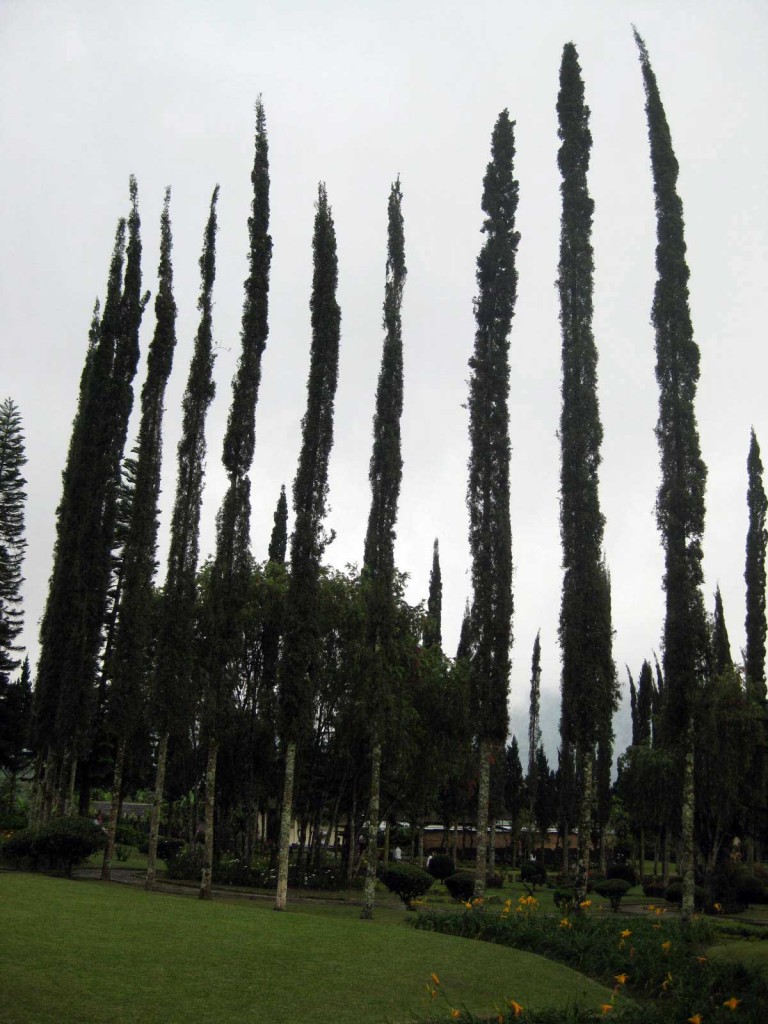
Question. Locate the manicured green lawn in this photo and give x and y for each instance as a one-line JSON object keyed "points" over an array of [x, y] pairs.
{"points": [[752, 952], [90, 953]]}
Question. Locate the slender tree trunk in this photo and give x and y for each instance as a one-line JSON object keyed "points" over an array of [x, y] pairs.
{"points": [[641, 871], [36, 797], [154, 821], [483, 795], [206, 879], [585, 820], [114, 810], [385, 855], [69, 800], [285, 827], [373, 833], [492, 848], [665, 856], [687, 824], [420, 844]]}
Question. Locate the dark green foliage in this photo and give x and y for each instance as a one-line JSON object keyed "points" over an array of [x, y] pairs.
{"points": [[58, 846], [624, 871], [407, 881], [461, 885], [12, 541], [129, 664], [433, 629], [588, 679], [310, 488], [278, 543], [721, 647], [612, 889], [754, 573], [71, 629], [173, 664], [494, 880], [441, 866], [490, 533], [15, 722], [674, 894], [534, 730], [564, 898], [167, 847], [680, 500], [532, 873], [515, 792]]}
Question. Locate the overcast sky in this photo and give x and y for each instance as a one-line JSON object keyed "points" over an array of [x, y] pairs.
{"points": [[356, 93]]}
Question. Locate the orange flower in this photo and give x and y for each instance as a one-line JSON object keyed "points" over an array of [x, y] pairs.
{"points": [[606, 1008], [732, 1003], [517, 1009], [666, 946], [435, 978], [626, 933], [457, 1013], [702, 959], [696, 1019], [620, 979]]}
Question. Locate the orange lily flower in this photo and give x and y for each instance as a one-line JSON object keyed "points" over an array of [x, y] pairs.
{"points": [[732, 1003]]}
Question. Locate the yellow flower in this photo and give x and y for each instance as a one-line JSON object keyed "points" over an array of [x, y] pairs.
{"points": [[435, 978], [651, 906], [626, 933], [585, 903], [565, 923], [732, 1003], [696, 1019], [457, 1013], [718, 907], [517, 1009], [620, 979], [606, 1007], [468, 906], [666, 946]]}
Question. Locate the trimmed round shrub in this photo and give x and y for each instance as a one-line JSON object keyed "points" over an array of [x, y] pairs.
{"points": [[407, 881], [653, 888], [494, 880], [58, 846], [461, 885], [674, 894], [533, 873], [613, 889], [749, 889], [441, 866], [625, 871]]}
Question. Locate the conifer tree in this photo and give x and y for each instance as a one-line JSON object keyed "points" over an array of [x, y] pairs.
{"points": [[385, 475], [230, 578], [754, 573], [173, 668], [490, 532], [310, 491], [680, 500], [534, 730], [587, 690], [71, 630], [129, 661], [433, 628], [15, 716], [12, 539], [278, 543], [721, 645]]}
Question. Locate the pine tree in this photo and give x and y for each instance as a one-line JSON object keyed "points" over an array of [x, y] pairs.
{"points": [[680, 500], [385, 475], [433, 628], [490, 532], [12, 541], [174, 653], [71, 630], [15, 716], [586, 691], [754, 573], [230, 579], [534, 730], [129, 661], [310, 490]]}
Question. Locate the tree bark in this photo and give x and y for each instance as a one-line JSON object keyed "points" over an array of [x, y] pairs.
{"points": [[114, 810], [281, 897], [206, 878], [154, 821], [585, 822], [492, 848], [373, 833], [483, 795], [686, 826]]}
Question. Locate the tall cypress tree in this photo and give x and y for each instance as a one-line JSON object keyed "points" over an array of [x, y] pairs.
{"points": [[230, 579], [680, 500], [433, 628], [385, 475], [754, 573], [12, 540], [310, 490], [174, 653], [534, 718], [129, 665], [586, 692], [721, 645], [490, 532], [71, 630]]}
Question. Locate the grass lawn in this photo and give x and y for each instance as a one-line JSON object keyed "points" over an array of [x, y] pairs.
{"points": [[78, 952], [752, 952]]}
